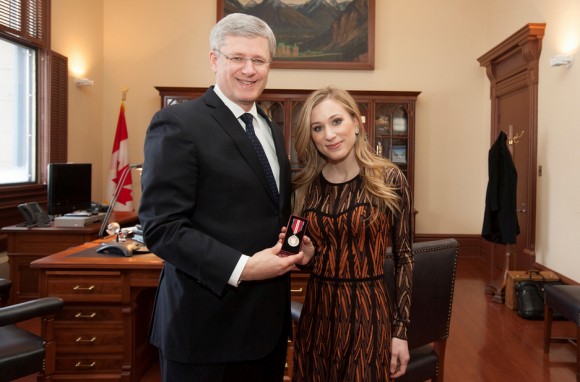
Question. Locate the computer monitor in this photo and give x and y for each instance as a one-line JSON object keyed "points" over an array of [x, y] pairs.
{"points": [[69, 187]]}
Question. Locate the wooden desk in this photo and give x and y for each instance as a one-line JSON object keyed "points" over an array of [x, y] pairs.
{"points": [[28, 244], [102, 332]]}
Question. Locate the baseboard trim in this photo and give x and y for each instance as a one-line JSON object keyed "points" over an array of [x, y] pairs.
{"points": [[471, 245], [563, 278]]}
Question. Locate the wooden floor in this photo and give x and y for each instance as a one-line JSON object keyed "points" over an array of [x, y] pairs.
{"points": [[488, 342]]}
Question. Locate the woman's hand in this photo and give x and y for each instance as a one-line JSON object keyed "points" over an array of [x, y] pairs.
{"points": [[399, 357], [307, 249]]}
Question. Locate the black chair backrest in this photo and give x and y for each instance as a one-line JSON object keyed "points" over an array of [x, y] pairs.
{"points": [[5, 286], [433, 286]]}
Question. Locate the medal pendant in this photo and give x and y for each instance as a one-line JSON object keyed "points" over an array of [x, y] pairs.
{"points": [[293, 241]]}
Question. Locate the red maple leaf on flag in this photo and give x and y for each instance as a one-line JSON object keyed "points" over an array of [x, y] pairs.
{"points": [[125, 194], [120, 168]]}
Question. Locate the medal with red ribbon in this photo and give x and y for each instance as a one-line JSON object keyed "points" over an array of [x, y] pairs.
{"points": [[297, 226]]}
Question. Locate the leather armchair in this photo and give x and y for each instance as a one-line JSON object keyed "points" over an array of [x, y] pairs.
{"points": [[433, 287], [21, 351]]}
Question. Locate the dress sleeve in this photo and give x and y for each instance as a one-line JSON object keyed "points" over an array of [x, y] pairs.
{"points": [[401, 236]]}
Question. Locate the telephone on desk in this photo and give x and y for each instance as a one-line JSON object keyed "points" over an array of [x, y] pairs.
{"points": [[34, 215], [123, 248]]}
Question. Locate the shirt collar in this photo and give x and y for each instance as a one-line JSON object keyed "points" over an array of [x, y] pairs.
{"points": [[235, 108]]}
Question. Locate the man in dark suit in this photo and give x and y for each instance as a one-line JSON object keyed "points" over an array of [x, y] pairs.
{"points": [[208, 210]]}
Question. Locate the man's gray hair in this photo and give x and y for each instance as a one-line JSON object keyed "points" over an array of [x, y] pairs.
{"points": [[241, 25]]}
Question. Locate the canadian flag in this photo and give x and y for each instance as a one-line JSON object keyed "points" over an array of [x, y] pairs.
{"points": [[120, 165]]}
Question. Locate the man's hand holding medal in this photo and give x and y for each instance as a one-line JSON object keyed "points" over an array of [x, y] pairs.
{"points": [[293, 249]]}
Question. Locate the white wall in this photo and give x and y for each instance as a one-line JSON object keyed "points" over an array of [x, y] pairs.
{"points": [[77, 32], [430, 47], [558, 205]]}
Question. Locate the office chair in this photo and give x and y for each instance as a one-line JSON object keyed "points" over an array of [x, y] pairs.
{"points": [[22, 352], [433, 287]]}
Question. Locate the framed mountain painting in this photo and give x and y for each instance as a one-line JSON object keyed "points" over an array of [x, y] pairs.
{"points": [[315, 34]]}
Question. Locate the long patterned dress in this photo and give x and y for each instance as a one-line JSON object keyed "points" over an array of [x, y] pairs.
{"points": [[347, 320]]}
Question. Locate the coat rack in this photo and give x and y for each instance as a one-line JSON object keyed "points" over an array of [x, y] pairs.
{"points": [[511, 141]]}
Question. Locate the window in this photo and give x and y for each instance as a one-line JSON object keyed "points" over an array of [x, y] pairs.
{"points": [[23, 43], [33, 105], [18, 110]]}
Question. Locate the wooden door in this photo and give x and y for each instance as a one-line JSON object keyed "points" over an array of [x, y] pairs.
{"points": [[512, 68], [513, 114]]}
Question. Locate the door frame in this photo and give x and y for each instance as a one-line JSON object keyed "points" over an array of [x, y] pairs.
{"points": [[511, 66]]}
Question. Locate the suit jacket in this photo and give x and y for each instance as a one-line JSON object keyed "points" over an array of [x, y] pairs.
{"points": [[205, 202], [500, 221]]}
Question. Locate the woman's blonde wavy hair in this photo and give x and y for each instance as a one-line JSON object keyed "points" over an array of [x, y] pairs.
{"points": [[373, 168]]}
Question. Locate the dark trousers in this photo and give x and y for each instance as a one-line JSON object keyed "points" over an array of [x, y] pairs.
{"points": [[267, 369]]}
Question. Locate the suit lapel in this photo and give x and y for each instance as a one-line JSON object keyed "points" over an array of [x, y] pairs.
{"points": [[281, 155], [230, 124]]}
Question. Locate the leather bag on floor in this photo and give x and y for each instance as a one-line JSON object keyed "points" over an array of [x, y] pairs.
{"points": [[530, 296]]}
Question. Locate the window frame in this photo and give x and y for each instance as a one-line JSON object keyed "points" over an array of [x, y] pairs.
{"points": [[33, 30]]}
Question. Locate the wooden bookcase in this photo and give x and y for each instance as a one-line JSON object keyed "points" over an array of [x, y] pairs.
{"points": [[389, 118]]}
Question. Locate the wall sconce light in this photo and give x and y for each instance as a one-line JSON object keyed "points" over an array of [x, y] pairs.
{"points": [[84, 82], [561, 60]]}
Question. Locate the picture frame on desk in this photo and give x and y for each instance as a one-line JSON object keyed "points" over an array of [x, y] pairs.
{"points": [[306, 41]]}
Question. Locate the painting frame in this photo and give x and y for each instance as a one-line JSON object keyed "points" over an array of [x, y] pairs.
{"points": [[364, 62]]}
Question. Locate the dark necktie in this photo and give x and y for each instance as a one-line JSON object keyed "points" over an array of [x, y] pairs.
{"points": [[247, 118]]}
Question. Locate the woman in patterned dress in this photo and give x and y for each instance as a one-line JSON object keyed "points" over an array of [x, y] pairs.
{"points": [[357, 204]]}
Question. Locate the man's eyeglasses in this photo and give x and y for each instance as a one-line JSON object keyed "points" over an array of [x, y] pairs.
{"points": [[239, 60]]}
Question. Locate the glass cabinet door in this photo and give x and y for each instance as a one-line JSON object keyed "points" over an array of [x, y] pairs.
{"points": [[363, 107], [391, 132], [274, 110], [382, 131], [296, 107]]}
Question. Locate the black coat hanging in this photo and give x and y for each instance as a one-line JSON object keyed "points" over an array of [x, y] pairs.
{"points": [[500, 221]]}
